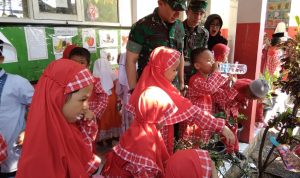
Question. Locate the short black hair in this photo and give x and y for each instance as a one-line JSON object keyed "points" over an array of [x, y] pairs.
{"points": [[195, 53], [79, 51]]}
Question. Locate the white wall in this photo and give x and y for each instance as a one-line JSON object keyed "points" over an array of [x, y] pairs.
{"points": [[295, 10], [144, 7], [125, 12]]}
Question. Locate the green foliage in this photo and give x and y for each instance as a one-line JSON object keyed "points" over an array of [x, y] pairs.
{"points": [[232, 121], [288, 82], [270, 79]]}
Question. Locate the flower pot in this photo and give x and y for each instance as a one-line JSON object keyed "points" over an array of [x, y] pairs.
{"points": [[219, 147]]}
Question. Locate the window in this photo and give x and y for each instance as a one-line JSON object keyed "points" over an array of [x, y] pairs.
{"points": [[101, 11], [57, 9], [13, 8]]}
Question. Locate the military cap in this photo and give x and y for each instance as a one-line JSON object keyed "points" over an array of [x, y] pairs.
{"points": [[198, 5], [177, 5]]}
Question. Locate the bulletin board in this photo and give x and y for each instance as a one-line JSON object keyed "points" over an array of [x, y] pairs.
{"points": [[277, 11], [99, 41]]}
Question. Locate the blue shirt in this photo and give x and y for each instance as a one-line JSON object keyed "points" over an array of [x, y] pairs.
{"points": [[16, 96]]}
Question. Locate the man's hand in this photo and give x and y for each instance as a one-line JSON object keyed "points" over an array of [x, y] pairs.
{"points": [[131, 60], [230, 138]]}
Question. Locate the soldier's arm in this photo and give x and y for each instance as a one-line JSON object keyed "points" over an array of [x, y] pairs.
{"points": [[131, 60]]}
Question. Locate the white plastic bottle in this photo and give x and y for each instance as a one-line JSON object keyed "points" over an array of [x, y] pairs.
{"points": [[232, 68]]}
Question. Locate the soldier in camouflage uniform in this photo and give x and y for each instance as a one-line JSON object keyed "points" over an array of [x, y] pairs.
{"points": [[161, 28], [196, 36]]}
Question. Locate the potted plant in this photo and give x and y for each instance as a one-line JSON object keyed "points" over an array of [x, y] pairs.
{"points": [[232, 122]]}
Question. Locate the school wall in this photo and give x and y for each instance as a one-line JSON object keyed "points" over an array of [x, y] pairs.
{"points": [[32, 69]]}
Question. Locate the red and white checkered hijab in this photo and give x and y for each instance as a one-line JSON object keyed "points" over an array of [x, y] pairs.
{"points": [[191, 163], [51, 142], [161, 59]]}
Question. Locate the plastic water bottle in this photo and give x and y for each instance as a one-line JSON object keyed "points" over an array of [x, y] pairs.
{"points": [[232, 68]]}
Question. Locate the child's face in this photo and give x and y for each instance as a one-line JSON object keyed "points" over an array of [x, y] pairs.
{"points": [[80, 59], [204, 62], [171, 73], [77, 104]]}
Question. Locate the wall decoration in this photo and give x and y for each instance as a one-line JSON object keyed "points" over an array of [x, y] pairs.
{"points": [[9, 51], [36, 43], [108, 38], [277, 11], [89, 39], [124, 39], [110, 54]]}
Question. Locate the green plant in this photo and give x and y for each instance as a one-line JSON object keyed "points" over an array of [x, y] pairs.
{"points": [[270, 79], [288, 82], [231, 120]]}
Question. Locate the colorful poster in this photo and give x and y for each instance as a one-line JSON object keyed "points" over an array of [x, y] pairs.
{"points": [[277, 11], [101, 11], [65, 31], [108, 38], [59, 45], [110, 54], [89, 39]]}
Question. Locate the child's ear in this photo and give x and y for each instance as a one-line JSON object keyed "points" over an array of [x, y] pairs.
{"points": [[197, 66]]}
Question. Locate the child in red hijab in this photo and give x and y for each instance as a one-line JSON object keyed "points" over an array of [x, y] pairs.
{"points": [[191, 163], [54, 146], [97, 102], [221, 52], [155, 104], [3, 149]]}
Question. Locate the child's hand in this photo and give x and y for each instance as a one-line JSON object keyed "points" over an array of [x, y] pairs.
{"points": [[230, 138], [89, 115], [215, 67], [232, 77], [20, 139]]}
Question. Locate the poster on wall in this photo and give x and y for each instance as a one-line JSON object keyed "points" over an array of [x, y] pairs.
{"points": [[101, 11], [65, 31], [59, 45], [110, 54], [277, 11], [124, 39], [89, 39], [36, 43], [108, 38], [9, 51]]}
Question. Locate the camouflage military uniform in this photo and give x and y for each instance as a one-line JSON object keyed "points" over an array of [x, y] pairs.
{"points": [[193, 39], [151, 32]]}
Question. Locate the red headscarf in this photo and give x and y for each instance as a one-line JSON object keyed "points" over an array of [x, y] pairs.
{"points": [[154, 100], [67, 51], [219, 51], [54, 147], [191, 163], [242, 87]]}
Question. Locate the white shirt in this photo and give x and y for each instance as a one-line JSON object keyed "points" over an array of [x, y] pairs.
{"points": [[16, 95]]}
